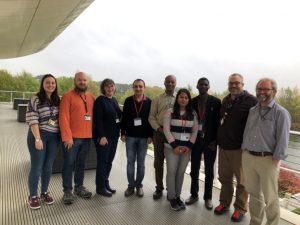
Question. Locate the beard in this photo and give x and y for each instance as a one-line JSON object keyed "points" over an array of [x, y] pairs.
{"points": [[264, 98], [80, 89]]}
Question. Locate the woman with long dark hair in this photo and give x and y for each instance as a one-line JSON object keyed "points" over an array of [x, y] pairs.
{"points": [[42, 139], [180, 129]]}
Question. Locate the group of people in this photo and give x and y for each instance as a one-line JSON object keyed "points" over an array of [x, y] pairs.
{"points": [[252, 134]]}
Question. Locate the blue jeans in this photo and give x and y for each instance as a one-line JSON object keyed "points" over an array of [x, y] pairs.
{"points": [[41, 160], [176, 166], [105, 157], [136, 150], [74, 159]]}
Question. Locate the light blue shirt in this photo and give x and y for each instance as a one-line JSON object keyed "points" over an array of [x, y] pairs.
{"points": [[267, 130]]}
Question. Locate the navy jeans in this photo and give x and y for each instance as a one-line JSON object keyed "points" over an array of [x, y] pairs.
{"points": [[41, 160], [74, 159], [136, 150], [105, 157], [209, 161]]}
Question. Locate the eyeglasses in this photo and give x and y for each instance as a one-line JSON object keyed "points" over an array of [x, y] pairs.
{"points": [[236, 83], [264, 89]]}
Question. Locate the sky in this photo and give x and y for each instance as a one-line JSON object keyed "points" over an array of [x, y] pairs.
{"points": [[125, 40]]}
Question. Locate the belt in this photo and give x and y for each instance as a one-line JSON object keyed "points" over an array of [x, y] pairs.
{"points": [[262, 154]]}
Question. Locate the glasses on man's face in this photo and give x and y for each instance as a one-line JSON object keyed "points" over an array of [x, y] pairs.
{"points": [[235, 83], [264, 89]]}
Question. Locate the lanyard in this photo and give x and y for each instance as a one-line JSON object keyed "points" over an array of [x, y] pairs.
{"points": [[183, 123], [51, 110], [262, 115], [201, 112], [135, 106], [85, 103]]}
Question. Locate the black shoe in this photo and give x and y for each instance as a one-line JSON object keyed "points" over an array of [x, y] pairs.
{"points": [[104, 192], [174, 205], [191, 200], [112, 190], [180, 203], [157, 194]]}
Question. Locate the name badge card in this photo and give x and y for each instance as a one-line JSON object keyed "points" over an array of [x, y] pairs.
{"points": [[137, 122], [185, 137], [87, 117], [51, 122], [200, 127]]}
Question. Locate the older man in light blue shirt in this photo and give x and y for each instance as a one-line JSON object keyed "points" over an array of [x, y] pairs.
{"points": [[265, 143]]}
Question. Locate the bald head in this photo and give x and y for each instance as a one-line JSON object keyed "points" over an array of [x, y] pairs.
{"points": [[81, 82]]}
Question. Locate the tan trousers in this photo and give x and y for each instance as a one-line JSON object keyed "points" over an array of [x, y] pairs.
{"points": [[230, 165], [261, 181]]}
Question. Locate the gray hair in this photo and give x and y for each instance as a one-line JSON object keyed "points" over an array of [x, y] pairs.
{"points": [[238, 75], [267, 79]]}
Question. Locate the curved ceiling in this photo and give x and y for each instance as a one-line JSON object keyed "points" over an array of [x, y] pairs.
{"points": [[28, 26]]}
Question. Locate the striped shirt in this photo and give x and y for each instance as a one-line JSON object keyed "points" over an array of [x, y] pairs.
{"points": [[41, 114], [180, 131]]}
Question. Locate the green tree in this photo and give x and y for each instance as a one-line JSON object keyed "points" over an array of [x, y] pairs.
{"points": [[64, 84], [290, 99], [27, 82]]}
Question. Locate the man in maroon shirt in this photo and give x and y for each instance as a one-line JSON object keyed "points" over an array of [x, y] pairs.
{"points": [[234, 112]]}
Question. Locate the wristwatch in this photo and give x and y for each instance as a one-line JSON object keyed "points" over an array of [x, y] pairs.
{"points": [[37, 140]]}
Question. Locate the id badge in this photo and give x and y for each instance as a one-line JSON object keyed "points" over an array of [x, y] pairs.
{"points": [[185, 137], [200, 127], [222, 121], [87, 117], [51, 122], [137, 122], [117, 120]]}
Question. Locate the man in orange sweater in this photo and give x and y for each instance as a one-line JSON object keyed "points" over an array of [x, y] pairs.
{"points": [[75, 121]]}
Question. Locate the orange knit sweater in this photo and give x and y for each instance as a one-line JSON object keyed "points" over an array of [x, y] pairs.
{"points": [[72, 116]]}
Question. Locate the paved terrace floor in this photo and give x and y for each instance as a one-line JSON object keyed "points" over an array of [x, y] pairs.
{"points": [[14, 167]]}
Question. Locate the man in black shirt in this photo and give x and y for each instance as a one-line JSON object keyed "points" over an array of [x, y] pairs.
{"points": [[137, 133], [234, 112], [208, 111]]}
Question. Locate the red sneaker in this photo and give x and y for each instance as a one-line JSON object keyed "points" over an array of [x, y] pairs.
{"points": [[220, 209], [47, 198], [237, 216], [34, 202]]}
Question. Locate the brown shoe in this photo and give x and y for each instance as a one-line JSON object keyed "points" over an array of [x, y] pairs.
{"points": [[208, 204], [139, 192], [129, 191]]}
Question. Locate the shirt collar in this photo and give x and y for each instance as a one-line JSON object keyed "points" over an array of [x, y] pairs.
{"points": [[270, 105], [174, 94]]}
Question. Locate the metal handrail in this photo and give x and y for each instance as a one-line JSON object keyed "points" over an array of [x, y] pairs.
{"points": [[22, 92]]}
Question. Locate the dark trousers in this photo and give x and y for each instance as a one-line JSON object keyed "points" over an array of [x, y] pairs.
{"points": [[74, 159], [159, 156], [105, 157], [209, 160]]}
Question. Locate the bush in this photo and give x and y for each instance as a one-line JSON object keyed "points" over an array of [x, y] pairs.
{"points": [[288, 182]]}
